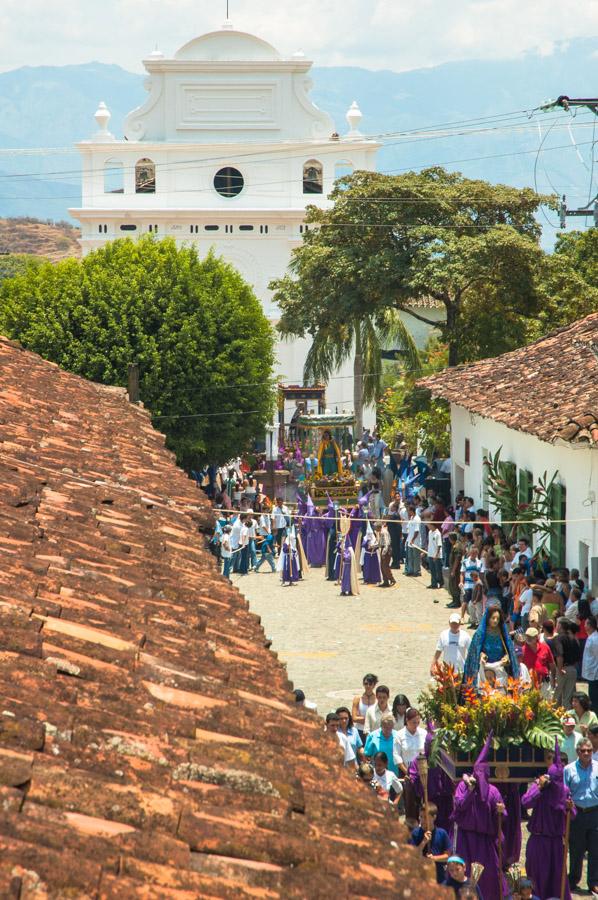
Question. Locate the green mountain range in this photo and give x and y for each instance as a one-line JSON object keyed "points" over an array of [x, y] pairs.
{"points": [[53, 107]]}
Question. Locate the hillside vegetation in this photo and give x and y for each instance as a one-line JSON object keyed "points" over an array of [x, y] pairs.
{"points": [[26, 235]]}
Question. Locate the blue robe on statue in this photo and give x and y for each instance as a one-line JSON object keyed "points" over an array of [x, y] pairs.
{"points": [[494, 646]]}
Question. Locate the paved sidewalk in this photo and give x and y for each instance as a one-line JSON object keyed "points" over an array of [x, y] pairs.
{"points": [[329, 642]]}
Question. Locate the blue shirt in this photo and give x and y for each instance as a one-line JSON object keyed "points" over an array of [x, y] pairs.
{"points": [[440, 843], [376, 743], [583, 783]]}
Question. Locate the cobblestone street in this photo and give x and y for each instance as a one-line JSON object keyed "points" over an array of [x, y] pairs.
{"points": [[329, 642]]}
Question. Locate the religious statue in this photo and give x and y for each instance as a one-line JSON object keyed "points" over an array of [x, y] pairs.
{"points": [[329, 457], [491, 648]]}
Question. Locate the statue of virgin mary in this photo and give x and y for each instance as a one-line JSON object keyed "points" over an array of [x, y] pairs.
{"points": [[491, 648]]}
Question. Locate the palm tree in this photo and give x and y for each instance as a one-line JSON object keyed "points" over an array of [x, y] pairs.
{"points": [[364, 339]]}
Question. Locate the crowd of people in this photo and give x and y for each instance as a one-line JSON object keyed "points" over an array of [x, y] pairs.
{"points": [[528, 620]]}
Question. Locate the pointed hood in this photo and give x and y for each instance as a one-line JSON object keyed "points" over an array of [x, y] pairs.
{"points": [[481, 768], [330, 506], [431, 732], [556, 792], [310, 507], [555, 771], [301, 505]]}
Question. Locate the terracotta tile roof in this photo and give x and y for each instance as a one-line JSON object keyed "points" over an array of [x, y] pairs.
{"points": [[148, 743], [548, 389]]}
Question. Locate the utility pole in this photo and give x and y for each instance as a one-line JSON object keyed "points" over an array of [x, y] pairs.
{"points": [[568, 103]]}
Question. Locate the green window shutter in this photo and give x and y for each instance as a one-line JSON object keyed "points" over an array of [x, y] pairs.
{"points": [[508, 472], [558, 513], [526, 486], [485, 497]]}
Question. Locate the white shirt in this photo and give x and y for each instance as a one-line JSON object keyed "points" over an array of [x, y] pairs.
{"points": [[413, 533], [526, 601], [372, 717], [225, 550], [347, 748], [404, 518], [279, 514], [235, 534], [387, 781], [589, 666], [409, 745], [454, 648], [434, 543], [264, 525]]}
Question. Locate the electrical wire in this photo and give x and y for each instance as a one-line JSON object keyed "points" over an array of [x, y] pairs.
{"points": [[238, 211], [175, 165]]}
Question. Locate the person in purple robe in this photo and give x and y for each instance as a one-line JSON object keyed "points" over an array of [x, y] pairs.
{"points": [[440, 786], [509, 792], [331, 540], [348, 569], [372, 574], [316, 532], [288, 561], [357, 516], [549, 799], [477, 807], [301, 513]]}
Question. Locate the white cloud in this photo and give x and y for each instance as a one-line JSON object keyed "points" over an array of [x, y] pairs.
{"points": [[394, 34]]}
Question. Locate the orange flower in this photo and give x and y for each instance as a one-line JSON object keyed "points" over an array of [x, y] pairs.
{"points": [[529, 715]]}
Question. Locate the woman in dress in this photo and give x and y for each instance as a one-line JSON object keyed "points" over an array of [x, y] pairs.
{"points": [[491, 647], [329, 457]]}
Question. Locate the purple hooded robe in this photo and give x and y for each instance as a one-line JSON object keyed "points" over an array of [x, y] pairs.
{"points": [[511, 822], [372, 573], [440, 786], [544, 852], [346, 557], [476, 820], [315, 528]]}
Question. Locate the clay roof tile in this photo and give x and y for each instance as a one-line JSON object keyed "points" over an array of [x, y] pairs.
{"points": [[149, 745], [528, 389]]}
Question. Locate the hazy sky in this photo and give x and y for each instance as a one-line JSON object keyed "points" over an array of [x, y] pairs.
{"points": [[393, 34]]}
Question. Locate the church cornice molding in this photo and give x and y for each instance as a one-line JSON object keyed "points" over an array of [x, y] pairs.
{"points": [[183, 66], [233, 148]]}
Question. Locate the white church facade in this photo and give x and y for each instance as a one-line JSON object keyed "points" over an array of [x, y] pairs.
{"points": [[226, 153]]}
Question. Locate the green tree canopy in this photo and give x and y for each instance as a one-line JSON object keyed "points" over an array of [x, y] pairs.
{"points": [[12, 264], [197, 331], [387, 240], [568, 283]]}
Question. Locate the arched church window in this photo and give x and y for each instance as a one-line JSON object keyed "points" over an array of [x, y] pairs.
{"points": [[313, 177], [145, 177], [114, 177], [343, 168], [229, 182]]}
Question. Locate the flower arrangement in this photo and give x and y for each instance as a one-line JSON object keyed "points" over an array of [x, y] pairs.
{"points": [[463, 715]]}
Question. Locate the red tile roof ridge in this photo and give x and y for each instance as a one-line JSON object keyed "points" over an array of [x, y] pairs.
{"points": [[498, 388]]}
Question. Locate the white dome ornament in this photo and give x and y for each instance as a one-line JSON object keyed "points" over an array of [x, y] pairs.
{"points": [[102, 117], [354, 117]]}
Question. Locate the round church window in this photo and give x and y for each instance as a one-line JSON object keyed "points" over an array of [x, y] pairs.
{"points": [[229, 182]]}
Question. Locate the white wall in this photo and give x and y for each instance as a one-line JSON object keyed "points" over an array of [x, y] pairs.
{"points": [[577, 467]]}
